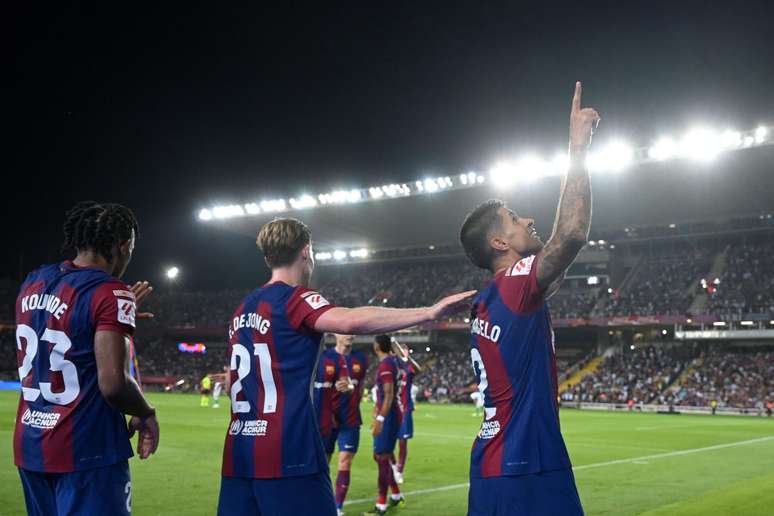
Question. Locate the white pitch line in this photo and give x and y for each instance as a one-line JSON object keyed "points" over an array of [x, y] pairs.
{"points": [[632, 460]]}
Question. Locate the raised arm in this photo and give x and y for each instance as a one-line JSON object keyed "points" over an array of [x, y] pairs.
{"points": [[368, 320], [573, 216]]}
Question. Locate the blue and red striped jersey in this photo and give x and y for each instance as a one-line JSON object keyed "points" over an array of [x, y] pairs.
{"points": [[405, 383], [346, 405], [387, 372], [273, 348], [63, 424], [328, 369], [334, 408], [515, 365]]}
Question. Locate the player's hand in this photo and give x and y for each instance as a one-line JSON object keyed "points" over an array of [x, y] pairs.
{"points": [[377, 427], [342, 385], [141, 290], [451, 304], [148, 438], [583, 121]]}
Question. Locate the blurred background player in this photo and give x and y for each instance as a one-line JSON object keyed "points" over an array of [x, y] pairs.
{"points": [[388, 415], [74, 325], [337, 395], [478, 402], [205, 386], [220, 381], [406, 392], [273, 458], [519, 460]]}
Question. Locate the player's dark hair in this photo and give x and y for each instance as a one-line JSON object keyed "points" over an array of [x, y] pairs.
{"points": [[476, 231], [281, 240], [384, 342], [98, 227]]}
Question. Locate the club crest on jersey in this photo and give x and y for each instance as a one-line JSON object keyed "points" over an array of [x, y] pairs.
{"points": [[126, 311], [522, 267], [40, 419], [314, 300], [355, 367], [329, 369]]}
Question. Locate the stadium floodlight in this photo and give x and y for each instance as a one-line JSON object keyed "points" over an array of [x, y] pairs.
{"points": [[615, 156], [760, 134], [559, 164], [252, 209], [274, 205], [609, 290], [718, 323], [376, 193], [323, 256], [664, 148], [226, 212], [305, 201], [205, 214], [689, 321], [592, 280], [700, 144], [358, 253], [503, 174], [339, 255], [172, 273], [747, 323], [731, 139]]}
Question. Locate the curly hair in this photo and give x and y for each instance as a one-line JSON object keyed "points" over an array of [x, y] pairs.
{"points": [[98, 227]]}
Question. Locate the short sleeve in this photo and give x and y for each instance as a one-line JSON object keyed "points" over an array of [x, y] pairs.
{"points": [[304, 307], [518, 286], [384, 374], [113, 308]]}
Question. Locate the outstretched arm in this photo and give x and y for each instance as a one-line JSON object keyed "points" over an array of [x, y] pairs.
{"points": [[573, 216], [367, 320]]}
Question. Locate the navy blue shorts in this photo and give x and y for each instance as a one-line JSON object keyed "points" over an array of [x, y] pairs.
{"points": [[348, 438], [105, 490], [385, 441], [407, 427], [542, 494], [305, 495]]}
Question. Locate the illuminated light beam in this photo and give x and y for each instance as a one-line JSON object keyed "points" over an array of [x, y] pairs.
{"points": [[205, 215], [226, 212], [303, 202]]}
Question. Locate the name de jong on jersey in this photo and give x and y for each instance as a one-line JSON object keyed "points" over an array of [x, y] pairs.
{"points": [[513, 355], [63, 424], [274, 348]]}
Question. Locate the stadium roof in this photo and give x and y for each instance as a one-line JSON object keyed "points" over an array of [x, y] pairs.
{"points": [[739, 183]]}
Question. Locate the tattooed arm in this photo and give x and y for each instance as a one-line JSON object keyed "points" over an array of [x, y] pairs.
{"points": [[573, 217]]}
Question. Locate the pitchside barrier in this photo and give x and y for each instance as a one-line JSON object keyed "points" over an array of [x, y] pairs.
{"points": [[665, 409]]}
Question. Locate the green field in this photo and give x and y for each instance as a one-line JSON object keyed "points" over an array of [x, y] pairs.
{"points": [[624, 463]]}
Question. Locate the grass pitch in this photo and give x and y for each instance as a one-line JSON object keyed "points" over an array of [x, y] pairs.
{"points": [[625, 463]]}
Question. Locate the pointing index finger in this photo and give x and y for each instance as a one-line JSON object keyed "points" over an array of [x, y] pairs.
{"points": [[576, 99]]}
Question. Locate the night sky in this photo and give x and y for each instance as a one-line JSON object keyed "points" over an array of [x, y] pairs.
{"points": [[169, 110]]}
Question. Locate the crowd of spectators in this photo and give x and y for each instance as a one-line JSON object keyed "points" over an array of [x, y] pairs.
{"points": [[743, 379], [163, 358], [661, 285], [747, 283], [640, 375]]}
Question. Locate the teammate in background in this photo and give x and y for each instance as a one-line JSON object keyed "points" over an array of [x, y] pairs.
{"points": [[519, 463], [338, 390], [769, 407], [220, 380], [714, 405], [408, 368], [388, 415], [273, 458], [204, 389], [478, 403], [74, 326]]}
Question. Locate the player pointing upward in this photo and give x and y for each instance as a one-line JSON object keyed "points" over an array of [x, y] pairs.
{"points": [[519, 463], [273, 458]]}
